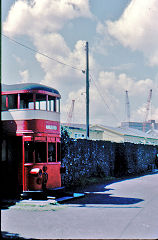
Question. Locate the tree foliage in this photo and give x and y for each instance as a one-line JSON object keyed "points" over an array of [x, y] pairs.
{"points": [[65, 140]]}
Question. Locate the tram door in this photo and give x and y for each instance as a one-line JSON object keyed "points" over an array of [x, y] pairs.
{"points": [[11, 174]]}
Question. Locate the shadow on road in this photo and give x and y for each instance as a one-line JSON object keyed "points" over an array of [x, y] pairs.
{"points": [[7, 203], [98, 194], [94, 198], [7, 235]]}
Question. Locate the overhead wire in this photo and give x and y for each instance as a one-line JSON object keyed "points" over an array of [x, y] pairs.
{"points": [[114, 116], [43, 54], [102, 97], [65, 64]]}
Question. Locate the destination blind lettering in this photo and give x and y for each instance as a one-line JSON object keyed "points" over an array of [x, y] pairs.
{"points": [[51, 127]]}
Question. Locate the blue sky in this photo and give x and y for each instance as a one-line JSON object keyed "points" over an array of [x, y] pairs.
{"points": [[123, 53]]}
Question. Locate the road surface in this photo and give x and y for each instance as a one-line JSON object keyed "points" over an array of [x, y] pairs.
{"points": [[125, 209]]}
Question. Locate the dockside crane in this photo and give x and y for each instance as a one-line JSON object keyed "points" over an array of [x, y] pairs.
{"points": [[127, 107], [147, 109]]}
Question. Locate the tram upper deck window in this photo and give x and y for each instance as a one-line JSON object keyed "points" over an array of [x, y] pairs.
{"points": [[41, 101], [12, 101], [26, 101], [58, 105], [3, 106], [51, 104]]}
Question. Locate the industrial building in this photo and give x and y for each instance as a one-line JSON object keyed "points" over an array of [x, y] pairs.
{"points": [[113, 134], [78, 131], [151, 124], [126, 134]]}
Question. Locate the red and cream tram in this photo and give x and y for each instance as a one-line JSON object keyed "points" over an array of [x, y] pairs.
{"points": [[31, 135]]}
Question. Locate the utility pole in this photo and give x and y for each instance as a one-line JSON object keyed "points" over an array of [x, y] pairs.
{"points": [[87, 92]]}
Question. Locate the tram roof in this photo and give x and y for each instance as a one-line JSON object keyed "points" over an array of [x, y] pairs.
{"points": [[28, 86]]}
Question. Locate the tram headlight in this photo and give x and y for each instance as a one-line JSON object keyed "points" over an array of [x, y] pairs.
{"points": [[35, 171]]}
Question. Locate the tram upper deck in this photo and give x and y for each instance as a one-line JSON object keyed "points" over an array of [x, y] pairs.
{"points": [[32, 107]]}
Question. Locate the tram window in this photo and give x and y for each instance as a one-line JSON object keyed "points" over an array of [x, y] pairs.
{"points": [[41, 101], [59, 152], [37, 105], [12, 101], [26, 101], [40, 152], [29, 149], [51, 104], [58, 105], [51, 152], [3, 103]]}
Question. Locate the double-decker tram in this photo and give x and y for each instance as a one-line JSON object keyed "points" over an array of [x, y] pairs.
{"points": [[31, 137]]}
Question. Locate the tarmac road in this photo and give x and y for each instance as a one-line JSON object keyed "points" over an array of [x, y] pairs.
{"points": [[125, 209]]}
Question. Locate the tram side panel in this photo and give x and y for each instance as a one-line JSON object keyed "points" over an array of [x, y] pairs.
{"points": [[34, 181]]}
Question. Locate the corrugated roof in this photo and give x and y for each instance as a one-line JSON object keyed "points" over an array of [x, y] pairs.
{"points": [[78, 126], [126, 131], [153, 132], [75, 125]]}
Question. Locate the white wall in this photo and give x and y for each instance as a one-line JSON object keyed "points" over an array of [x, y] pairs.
{"points": [[22, 114]]}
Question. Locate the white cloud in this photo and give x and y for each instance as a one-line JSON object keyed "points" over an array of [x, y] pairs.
{"points": [[140, 113], [19, 60], [99, 47], [155, 114], [121, 82], [78, 115], [38, 16], [24, 75], [102, 30], [109, 98], [138, 93], [41, 21], [122, 67], [102, 40], [63, 77], [137, 28]]}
